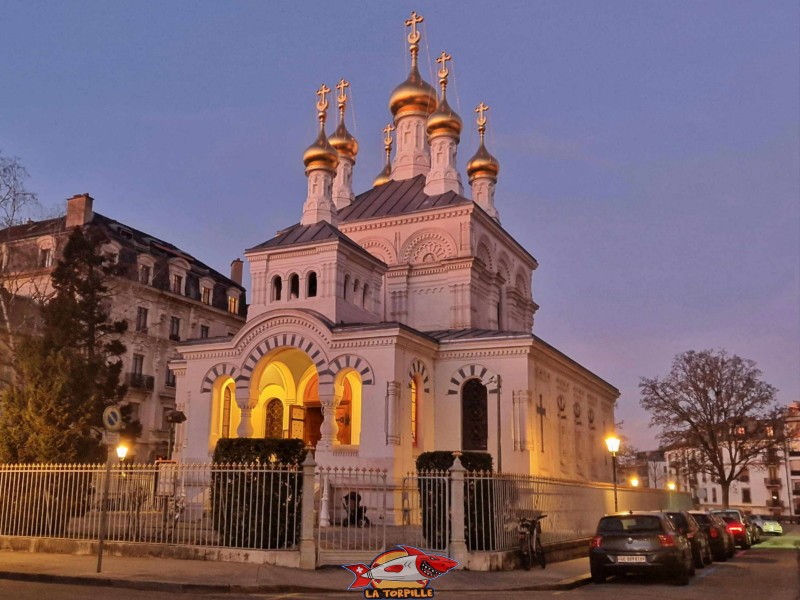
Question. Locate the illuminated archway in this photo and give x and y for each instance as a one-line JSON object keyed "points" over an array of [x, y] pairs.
{"points": [[225, 413], [348, 389]]}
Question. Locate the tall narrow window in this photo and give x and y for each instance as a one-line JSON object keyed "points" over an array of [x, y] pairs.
{"points": [[294, 286], [226, 412], [312, 285], [746, 496], [144, 274], [233, 305], [175, 329], [356, 290], [474, 416], [138, 364], [346, 291], [170, 378], [177, 284], [206, 296], [45, 257], [141, 319], [414, 411], [203, 332], [365, 296], [277, 287]]}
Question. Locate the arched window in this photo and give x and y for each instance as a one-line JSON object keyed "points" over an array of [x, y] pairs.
{"points": [[356, 288], [414, 411], [474, 416], [273, 428], [365, 296], [226, 412], [312, 285], [294, 286], [277, 287], [346, 291]]}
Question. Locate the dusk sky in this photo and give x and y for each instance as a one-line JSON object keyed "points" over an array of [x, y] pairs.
{"points": [[649, 151]]}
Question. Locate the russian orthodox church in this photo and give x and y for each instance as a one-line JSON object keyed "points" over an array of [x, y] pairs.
{"points": [[397, 321]]}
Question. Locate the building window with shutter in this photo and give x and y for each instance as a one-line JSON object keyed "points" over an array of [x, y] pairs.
{"points": [[141, 319], [746, 496], [175, 329]]}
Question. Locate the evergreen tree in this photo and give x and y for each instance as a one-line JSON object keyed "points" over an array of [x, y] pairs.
{"points": [[69, 374]]}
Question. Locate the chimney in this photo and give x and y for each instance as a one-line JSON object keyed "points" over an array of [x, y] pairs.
{"points": [[79, 210], [236, 271]]}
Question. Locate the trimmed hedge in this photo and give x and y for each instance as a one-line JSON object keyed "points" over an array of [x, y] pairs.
{"points": [[266, 450], [479, 531], [258, 509]]}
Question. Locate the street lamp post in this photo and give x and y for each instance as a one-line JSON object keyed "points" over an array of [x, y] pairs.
{"points": [[612, 443], [671, 486], [122, 452]]}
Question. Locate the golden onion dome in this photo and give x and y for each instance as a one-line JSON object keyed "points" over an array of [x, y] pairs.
{"points": [[413, 95], [482, 164], [320, 154], [385, 176], [444, 121], [344, 142]]}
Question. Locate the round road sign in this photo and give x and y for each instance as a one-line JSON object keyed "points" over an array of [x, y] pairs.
{"points": [[112, 418]]}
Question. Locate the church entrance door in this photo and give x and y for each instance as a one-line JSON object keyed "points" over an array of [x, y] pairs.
{"points": [[474, 416]]}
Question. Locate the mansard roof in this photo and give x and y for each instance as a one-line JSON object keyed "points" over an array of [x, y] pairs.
{"points": [[395, 198]]}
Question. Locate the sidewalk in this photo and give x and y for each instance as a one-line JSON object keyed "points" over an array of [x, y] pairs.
{"points": [[206, 576]]}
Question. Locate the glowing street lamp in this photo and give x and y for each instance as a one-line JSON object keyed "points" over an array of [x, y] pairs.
{"points": [[671, 486], [634, 482], [612, 443], [122, 452]]}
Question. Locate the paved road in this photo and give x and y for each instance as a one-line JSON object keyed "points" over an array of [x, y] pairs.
{"points": [[771, 570]]}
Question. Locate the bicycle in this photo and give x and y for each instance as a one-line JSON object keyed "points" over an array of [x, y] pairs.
{"points": [[530, 541]]}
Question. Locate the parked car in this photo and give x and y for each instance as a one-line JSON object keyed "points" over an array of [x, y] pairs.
{"points": [[719, 538], [685, 523], [767, 524], [640, 542], [752, 537]]}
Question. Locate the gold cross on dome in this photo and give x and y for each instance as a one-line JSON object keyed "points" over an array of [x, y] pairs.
{"points": [[443, 58], [481, 109], [413, 37], [387, 139], [322, 103], [342, 86]]}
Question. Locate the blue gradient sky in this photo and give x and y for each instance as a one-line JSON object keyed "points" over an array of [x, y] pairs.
{"points": [[650, 151]]}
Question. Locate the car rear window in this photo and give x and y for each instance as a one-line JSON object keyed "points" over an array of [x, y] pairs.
{"points": [[728, 514], [728, 519], [678, 520], [630, 524], [700, 518]]}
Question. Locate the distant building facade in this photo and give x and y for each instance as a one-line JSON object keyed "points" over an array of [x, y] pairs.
{"points": [[166, 295]]}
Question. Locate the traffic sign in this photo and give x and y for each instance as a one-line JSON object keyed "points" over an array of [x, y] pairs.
{"points": [[112, 418]]}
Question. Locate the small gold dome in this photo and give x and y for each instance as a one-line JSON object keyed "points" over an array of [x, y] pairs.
{"points": [[384, 176], [344, 143], [444, 121], [320, 154], [482, 164], [413, 95]]}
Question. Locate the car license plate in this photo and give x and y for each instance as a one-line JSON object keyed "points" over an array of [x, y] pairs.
{"points": [[631, 559]]}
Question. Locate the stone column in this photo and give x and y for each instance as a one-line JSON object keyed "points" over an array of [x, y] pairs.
{"points": [[245, 429], [458, 545], [308, 551], [392, 413], [329, 429]]}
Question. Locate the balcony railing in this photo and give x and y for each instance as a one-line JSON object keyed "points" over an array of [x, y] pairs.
{"points": [[774, 503], [140, 382], [773, 482]]}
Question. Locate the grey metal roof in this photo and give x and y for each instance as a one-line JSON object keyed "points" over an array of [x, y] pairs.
{"points": [[303, 234], [474, 333], [395, 198]]}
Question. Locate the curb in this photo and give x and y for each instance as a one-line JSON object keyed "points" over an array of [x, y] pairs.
{"points": [[207, 588]]}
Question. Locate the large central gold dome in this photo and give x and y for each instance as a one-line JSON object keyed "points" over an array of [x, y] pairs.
{"points": [[413, 95]]}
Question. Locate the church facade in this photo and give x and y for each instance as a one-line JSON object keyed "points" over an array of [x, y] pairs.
{"points": [[397, 321]]}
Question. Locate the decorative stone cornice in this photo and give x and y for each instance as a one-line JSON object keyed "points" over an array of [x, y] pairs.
{"points": [[416, 217]]}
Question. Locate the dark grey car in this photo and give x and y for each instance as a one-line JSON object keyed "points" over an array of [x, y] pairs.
{"points": [[636, 542]]}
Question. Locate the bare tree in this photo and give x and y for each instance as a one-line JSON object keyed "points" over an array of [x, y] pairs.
{"points": [[717, 404], [19, 292]]}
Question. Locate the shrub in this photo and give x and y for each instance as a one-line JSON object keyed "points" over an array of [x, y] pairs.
{"points": [[479, 526], [256, 508]]}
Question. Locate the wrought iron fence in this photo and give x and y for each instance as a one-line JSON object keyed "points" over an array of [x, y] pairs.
{"points": [[352, 511], [254, 506], [425, 510]]}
